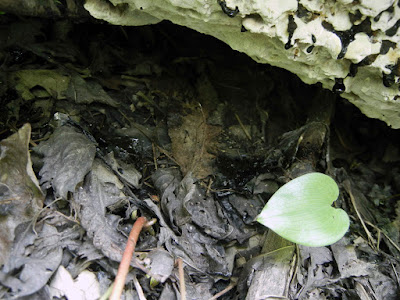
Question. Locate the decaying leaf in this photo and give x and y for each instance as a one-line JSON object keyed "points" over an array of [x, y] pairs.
{"points": [[198, 290], [34, 260], [68, 157], [191, 140], [87, 91], [100, 190], [199, 220], [317, 263], [52, 81], [367, 274], [160, 264], [20, 195], [127, 172], [269, 274]]}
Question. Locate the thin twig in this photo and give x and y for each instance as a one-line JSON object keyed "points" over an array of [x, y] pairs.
{"points": [[386, 236], [243, 128], [36, 216], [210, 182], [395, 274], [181, 279], [369, 235], [154, 155], [224, 291], [123, 269], [293, 270], [138, 288], [167, 154], [273, 297]]}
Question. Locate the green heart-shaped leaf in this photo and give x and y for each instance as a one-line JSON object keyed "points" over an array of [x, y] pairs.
{"points": [[301, 212]]}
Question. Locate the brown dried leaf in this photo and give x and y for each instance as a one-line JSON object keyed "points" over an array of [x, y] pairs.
{"points": [[191, 139]]}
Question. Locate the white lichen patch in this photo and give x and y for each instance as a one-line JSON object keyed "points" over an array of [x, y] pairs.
{"points": [[374, 7], [327, 41], [322, 37], [361, 47], [256, 24], [383, 61], [313, 5], [271, 10], [385, 24]]}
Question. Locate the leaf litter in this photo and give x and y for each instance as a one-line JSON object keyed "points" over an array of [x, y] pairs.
{"points": [[198, 138]]}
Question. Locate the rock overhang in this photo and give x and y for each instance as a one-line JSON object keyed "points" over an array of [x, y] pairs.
{"points": [[350, 47]]}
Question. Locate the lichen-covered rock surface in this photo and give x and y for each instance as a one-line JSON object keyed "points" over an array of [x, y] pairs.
{"points": [[351, 47]]}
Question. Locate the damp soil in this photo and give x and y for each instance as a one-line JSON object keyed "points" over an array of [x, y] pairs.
{"points": [[164, 122]]}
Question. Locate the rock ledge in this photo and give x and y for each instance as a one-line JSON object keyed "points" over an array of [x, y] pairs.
{"points": [[351, 47]]}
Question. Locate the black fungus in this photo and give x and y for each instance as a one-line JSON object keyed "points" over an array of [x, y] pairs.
{"points": [[339, 86], [228, 11], [291, 28], [347, 36], [357, 16], [310, 48], [388, 79], [393, 30], [365, 62], [353, 70], [389, 10], [396, 68], [303, 13], [386, 45]]}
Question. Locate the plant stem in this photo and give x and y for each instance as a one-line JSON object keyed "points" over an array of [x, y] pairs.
{"points": [[182, 279], [123, 269]]}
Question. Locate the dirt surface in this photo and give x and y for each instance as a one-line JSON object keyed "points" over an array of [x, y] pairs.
{"points": [[101, 124]]}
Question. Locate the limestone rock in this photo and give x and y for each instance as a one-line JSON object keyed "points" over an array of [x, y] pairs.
{"points": [[351, 47]]}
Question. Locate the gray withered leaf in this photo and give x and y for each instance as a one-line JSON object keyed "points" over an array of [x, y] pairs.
{"points": [[68, 157], [34, 260], [101, 189], [86, 91], [197, 218], [126, 171], [20, 195]]}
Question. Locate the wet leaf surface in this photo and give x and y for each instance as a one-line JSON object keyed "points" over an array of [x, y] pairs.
{"points": [[68, 157]]}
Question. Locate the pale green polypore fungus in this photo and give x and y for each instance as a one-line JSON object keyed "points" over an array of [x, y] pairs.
{"points": [[301, 211]]}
